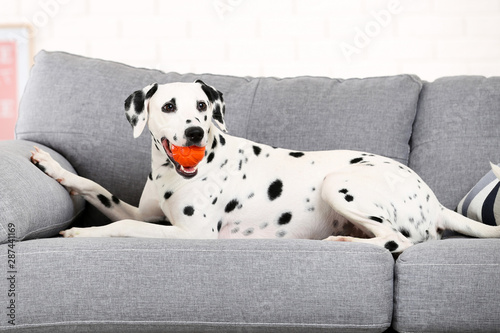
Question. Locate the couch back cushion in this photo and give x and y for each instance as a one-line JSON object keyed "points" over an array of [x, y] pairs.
{"points": [[456, 134], [74, 105]]}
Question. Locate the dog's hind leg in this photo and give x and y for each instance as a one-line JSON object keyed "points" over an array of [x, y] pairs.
{"points": [[358, 197]]}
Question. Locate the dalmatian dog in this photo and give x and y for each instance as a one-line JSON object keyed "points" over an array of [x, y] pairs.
{"points": [[244, 189]]}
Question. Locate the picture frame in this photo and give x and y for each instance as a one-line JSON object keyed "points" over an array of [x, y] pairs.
{"points": [[16, 59]]}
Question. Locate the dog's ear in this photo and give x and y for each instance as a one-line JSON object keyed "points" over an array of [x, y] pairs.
{"points": [[137, 108], [218, 106]]}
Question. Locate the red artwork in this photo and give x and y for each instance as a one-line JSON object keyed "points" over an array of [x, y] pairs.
{"points": [[8, 89]]}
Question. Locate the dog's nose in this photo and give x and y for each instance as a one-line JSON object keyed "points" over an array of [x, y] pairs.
{"points": [[194, 134]]}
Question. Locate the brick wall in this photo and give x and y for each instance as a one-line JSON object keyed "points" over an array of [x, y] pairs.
{"points": [[336, 38]]}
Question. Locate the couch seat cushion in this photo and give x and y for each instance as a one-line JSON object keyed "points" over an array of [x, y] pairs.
{"points": [[157, 285], [449, 285]]}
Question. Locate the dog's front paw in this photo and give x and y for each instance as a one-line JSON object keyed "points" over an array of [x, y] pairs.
{"points": [[81, 232], [47, 164]]}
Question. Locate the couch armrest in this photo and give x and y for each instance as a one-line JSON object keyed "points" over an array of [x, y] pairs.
{"points": [[32, 205]]}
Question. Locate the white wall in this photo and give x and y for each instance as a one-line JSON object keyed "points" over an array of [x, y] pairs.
{"points": [[336, 38]]}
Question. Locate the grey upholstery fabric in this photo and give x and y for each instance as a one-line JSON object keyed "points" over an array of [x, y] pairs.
{"points": [[449, 285], [456, 134], [32, 203], [311, 113], [135, 285], [79, 112]]}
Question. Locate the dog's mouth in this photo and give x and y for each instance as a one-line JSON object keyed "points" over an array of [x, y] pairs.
{"points": [[185, 159]]}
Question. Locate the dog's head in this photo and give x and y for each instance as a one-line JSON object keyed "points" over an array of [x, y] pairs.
{"points": [[178, 114]]}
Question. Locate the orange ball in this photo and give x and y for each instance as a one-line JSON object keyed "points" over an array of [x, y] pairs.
{"points": [[188, 156]]}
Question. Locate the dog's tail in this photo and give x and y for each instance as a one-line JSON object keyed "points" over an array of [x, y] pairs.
{"points": [[454, 221]]}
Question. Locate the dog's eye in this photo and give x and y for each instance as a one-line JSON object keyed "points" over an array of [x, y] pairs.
{"points": [[168, 107], [202, 106]]}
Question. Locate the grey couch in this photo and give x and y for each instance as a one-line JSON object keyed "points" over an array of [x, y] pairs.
{"points": [[446, 130]]}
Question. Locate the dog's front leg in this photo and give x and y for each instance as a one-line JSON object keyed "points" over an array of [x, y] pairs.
{"points": [[129, 228], [95, 194]]}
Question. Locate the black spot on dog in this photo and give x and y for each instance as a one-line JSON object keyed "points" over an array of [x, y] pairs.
{"points": [[285, 218], [349, 198], [168, 194], [427, 198], [275, 189], [105, 201], [215, 201], [217, 114], [188, 210], [128, 102], [224, 164], [248, 232], [39, 166], [280, 233], [132, 120], [214, 143], [231, 205], [256, 150], [240, 165], [343, 191], [115, 199], [391, 245], [222, 140], [405, 232], [296, 154], [251, 195], [209, 91], [376, 219], [235, 230], [210, 157], [356, 160], [188, 121], [138, 100], [219, 225]]}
